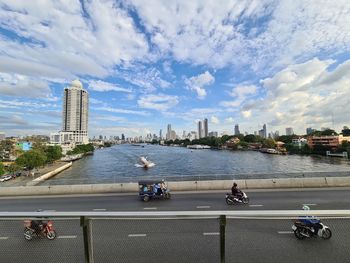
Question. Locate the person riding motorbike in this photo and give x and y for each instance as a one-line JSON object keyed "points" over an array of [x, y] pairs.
{"points": [[236, 192], [310, 221], [37, 224]]}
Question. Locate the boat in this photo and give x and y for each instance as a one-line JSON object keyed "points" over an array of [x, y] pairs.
{"points": [[144, 163], [198, 146], [269, 150]]}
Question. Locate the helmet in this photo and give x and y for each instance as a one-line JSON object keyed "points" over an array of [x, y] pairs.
{"points": [[306, 208], [234, 184]]}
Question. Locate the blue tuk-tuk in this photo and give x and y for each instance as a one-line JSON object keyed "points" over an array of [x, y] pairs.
{"points": [[149, 189]]}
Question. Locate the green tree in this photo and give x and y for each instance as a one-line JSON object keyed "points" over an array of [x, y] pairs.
{"points": [[346, 132], [53, 153], [250, 138], [2, 169], [83, 148], [328, 132], [31, 159], [269, 143], [13, 168]]}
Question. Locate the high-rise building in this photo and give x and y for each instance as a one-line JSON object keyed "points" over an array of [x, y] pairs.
{"points": [[2, 136], [213, 134], [160, 134], [123, 137], [200, 131], [263, 132], [237, 132], [289, 131], [205, 124], [168, 133], [74, 117]]}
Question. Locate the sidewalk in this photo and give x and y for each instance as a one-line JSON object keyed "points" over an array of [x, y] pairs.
{"points": [[23, 179]]}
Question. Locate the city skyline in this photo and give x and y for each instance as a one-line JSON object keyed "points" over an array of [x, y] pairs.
{"points": [[144, 68]]}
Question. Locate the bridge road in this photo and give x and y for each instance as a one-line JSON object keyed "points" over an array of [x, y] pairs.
{"points": [[179, 240]]}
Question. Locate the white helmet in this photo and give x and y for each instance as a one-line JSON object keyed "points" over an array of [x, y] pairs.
{"points": [[305, 207]]}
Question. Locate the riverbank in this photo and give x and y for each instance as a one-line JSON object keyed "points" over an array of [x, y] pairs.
{"points": [[280, 183]]}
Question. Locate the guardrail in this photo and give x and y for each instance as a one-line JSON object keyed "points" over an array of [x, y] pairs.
{"points": [[86, 219]]}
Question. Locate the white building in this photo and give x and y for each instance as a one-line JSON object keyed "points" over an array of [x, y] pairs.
{"points": [[74, 117], [289, 131]]}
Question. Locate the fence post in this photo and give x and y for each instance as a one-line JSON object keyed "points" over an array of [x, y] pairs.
{"points": [[222, 238], [87, 234]]}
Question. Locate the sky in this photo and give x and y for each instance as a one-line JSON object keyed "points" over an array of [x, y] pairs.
{"points": [[150, 63]]}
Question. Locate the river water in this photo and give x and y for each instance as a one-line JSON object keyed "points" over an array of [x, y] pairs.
{"points": [[117, 164]]}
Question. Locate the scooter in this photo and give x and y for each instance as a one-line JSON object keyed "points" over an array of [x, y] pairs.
{"points": [[231, 199], [304, 228], [45, 230]]}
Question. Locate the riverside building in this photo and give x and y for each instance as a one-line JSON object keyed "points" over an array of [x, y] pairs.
{"points": [[74, 117]]}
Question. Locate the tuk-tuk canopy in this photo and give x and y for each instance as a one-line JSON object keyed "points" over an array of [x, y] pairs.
{"points": [[151, 182]]}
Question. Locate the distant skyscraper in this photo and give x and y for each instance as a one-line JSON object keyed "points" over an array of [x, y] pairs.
{"points": [[213, 134], [200, 132], [160, 134], [2, 136], [289, 131], [237, 129], [263, 132], [168, 134], [309, 130], [205, 128], [123, 137]]}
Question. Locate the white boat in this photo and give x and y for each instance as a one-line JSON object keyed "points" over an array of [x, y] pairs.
{"points": [[198, 146], [144, 163]]}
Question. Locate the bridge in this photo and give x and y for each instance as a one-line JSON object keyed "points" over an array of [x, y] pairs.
{"points": [[196, 227]]}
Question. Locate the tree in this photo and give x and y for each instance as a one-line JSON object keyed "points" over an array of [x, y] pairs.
{"points": [[250, 138], [13, 168], [2, 169], [328, 132], [53, 153], [31, 159], [346, 132], [269, 143]]}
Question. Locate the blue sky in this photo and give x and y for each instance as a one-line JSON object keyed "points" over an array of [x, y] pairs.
{"points": [[149, 63]]}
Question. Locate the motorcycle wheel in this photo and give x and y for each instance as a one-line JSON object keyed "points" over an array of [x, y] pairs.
{"points": [[229, 201], [146, 198], [245, 200], [298, 235], [167, 196], [51, 235], [28, 234], [326, 234]]}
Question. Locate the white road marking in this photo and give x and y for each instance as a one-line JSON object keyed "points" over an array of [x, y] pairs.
{"points": [[150, 208], [211, 234], [255, 205], [67, 237], [310, 204], [99, 209], [137, 235], [203, 206], [4, 238], [285, 232]]}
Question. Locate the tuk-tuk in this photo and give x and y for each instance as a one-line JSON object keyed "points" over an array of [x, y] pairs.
{"points": [[149, 189]]}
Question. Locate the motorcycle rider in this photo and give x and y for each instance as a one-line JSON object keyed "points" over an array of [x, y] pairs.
{"points": [[310, 221], [236, 192], [37, 224]]}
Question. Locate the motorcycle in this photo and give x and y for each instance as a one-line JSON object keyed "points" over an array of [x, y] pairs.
{"points": [[44, 230], [303, 228], [232, 199]]}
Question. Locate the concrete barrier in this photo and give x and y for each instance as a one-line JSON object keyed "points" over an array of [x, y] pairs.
{"points": [[49, 174], [276, 183]]}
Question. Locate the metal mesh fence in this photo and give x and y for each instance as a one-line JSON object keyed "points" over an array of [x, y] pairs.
{"points": [[67, 247], [176, 239]]}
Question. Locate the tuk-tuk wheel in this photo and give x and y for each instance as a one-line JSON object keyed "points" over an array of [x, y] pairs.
{"points": [[146, 198]]}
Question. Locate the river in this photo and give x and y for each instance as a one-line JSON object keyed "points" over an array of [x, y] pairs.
{"points": [[117, 164]]}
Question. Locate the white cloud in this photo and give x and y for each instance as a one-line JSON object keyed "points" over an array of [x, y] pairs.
{"points": [[247, 114], [124, 111], [99, 85], [240, 93], [23, 86], [304, 95], [197, 83], [159, 102], [214, 120], [229, 120]]}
